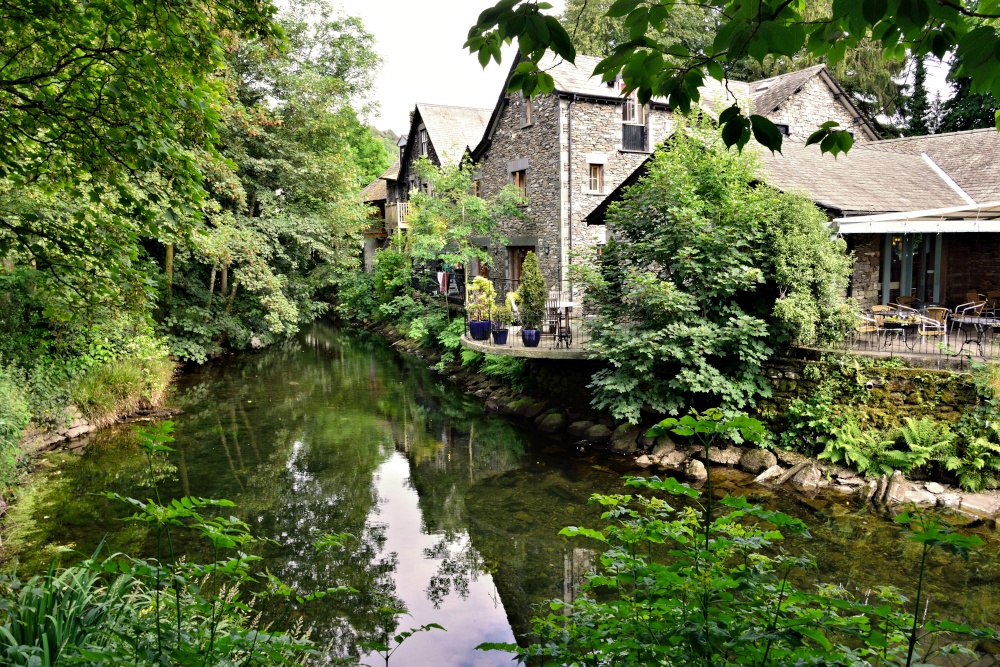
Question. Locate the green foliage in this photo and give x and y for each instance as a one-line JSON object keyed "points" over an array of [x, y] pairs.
{"points": [[810, 423], [866, 451], [531, 293], [15, 414], [762, 31], [512, 370], [917, 107], [444, 219], [121, 387], [109, 108], [689, 587], [708, 273], [480, 299], [975, 459]]}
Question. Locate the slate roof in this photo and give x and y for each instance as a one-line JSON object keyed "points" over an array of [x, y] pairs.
{"points": [[392, 173], [452, 130], [862, 181], [970, 158], [769, 94], [374, 191]]}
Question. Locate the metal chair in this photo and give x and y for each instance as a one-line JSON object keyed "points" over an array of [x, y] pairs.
{"points": [[906, 300], [934, 322], [968, 320]]}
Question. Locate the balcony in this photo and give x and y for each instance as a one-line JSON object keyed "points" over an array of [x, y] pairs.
{"points": [[376, 229], [396, 216], [634, 138]]}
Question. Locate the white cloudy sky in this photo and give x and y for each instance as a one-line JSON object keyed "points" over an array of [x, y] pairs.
{"points": [[420, 42]]}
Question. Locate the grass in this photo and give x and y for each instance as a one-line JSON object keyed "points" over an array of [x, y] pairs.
{"points": [[113, 390]]}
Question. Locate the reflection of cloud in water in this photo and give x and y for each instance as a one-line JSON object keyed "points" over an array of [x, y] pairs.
{"points": [[470, 618]]}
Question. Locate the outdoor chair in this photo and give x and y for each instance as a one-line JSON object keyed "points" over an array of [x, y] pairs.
{"points": [[993, 301], [906, 300], [866, 328], [965, 312], [934, 322], [967, 321], [973, 296], [551, 324]]}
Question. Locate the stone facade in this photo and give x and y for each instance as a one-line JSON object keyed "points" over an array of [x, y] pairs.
{"points": [[564, 139], [405, 183], [811, 106], [866, 282]]}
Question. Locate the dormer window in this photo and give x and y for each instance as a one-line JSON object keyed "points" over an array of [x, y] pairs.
{"points": [[632, 111], [424, 141]]}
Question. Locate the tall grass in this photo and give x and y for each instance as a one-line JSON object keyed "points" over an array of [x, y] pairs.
{"points": [[115, 389], [15, 413]]}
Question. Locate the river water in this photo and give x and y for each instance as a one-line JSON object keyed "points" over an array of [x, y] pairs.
{"points": [[451, 512]]}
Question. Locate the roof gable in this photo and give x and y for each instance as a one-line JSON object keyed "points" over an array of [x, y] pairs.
{"points": [[452, 130]]}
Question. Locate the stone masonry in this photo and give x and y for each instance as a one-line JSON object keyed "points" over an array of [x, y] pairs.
{"points": [[565, 137], [866, 280], [811, 106]]}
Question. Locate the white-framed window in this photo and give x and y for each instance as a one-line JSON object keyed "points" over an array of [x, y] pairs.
{"points": [[633, 113], [424, 142], [595, 181]]}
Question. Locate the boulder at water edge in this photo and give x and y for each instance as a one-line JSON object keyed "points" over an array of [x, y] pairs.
{"points": [[552, 423], [599, 434], [623, 440], [757, 460], [696, 470]]}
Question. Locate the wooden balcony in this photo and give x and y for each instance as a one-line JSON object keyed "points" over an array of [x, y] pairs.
{"points": [[376, 228], [396, 216]]}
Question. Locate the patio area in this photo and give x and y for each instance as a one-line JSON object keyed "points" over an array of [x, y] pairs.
{"points": [[568, 342]]}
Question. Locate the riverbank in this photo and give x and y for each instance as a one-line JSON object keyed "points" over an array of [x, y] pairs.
{"points": [[887, 389]]}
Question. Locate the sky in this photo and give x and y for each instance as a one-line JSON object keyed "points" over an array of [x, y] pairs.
{"points": [[420, 42]]}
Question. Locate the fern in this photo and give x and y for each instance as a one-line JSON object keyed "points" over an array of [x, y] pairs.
{"points": [[977, 467], [926, 440], [864, 451]]}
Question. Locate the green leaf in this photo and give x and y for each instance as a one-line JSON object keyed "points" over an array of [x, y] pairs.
{"points": [[621, 8], [766, 132], [874, 10]]}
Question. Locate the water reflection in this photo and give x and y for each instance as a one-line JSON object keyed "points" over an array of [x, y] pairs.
{"points": [[453, 515]]}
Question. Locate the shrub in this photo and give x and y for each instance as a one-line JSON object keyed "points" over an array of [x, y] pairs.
{"points": [[512, 370], [15, 414], [531, 293], [120, 387], [480, 299]]}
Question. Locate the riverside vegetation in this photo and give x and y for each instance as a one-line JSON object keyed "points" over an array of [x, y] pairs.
{"points": [[221, 219]]}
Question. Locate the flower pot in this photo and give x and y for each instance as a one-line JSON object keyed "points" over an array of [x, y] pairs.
{"points": [[531, 337], [479, 329], [500, 336]]}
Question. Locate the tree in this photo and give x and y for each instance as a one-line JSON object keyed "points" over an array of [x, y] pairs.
{"points": [[284, 225], [708, 273], [755, 30], [917, 107], [108, 109], [966, 110], [447, 216]]}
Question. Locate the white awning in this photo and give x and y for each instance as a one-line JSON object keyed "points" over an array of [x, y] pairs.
{"points": [[958, 219]]}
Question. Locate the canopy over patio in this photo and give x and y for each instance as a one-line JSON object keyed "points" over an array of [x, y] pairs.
{"points": [[957, 219]]}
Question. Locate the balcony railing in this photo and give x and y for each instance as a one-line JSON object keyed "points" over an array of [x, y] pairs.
{"points": [[376, 228], [396, 216], [634, 138]]}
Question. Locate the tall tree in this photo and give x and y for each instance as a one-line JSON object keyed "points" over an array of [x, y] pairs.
{"points": [[107, 109], [759, 30], [917, 108], [966, 110]]}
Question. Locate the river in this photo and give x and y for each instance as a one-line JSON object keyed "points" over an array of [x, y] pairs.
{"points": [[451, 512]]}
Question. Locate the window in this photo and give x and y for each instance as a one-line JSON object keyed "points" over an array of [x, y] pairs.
{"points": [[515, 260], [596, 181], [782, 128], [526, 112], [423, 142], [477, 188], [520, 181], [632, 111]]}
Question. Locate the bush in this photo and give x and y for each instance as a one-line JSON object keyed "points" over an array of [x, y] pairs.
{"points": [[512, 370], [15, 414], [531, 293]]}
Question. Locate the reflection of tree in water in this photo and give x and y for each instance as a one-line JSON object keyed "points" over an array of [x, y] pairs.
{"points": [[459, 565]]}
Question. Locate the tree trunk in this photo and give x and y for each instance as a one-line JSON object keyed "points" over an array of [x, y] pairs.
{"points": [[211, 288], [232, 296], [224, 282], [168, 268]]}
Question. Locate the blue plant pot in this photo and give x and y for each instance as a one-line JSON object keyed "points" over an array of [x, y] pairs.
{"points": [[480, 329], [500, 336], [531, 337]]}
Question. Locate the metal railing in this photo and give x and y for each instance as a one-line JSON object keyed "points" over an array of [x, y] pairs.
{"points": [[634, 137]]}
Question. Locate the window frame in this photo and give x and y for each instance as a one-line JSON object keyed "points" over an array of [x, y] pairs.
{"points": [[595, 170], [519, 179], [526, 110], [424, 142]]}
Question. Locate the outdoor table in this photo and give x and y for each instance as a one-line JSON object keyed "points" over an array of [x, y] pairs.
{"points": [[973, 328], [567, 335], [905, 331]]}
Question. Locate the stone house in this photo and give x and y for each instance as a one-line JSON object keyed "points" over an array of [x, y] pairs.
{"points": [[920, 214], [568, 150]]}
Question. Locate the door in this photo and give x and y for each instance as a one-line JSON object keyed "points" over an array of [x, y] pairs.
{"points": [[911, 266], [515, 260]]}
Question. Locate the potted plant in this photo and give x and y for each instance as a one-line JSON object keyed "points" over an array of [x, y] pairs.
{"points": [[479, 299], [503, 316], [531, 301]]}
